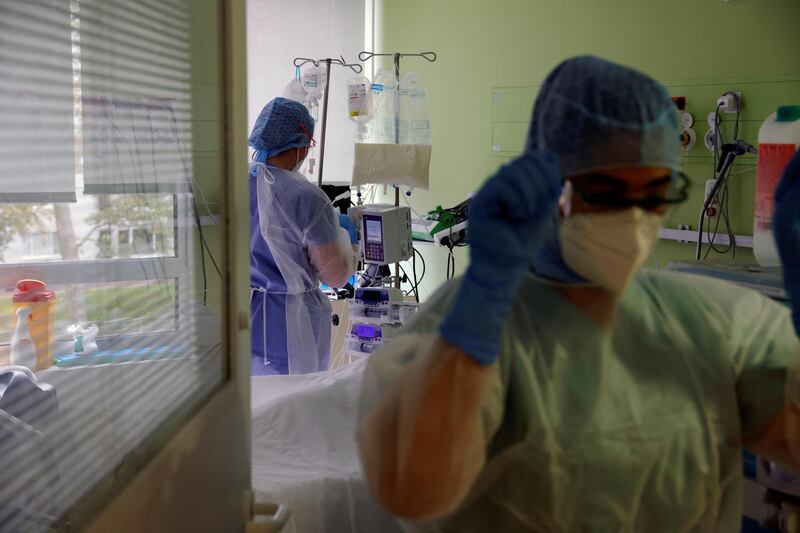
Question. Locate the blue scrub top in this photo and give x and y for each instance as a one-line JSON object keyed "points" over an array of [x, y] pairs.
{"points": [[306, 205]]}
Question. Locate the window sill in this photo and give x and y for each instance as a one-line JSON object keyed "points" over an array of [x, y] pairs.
{"points": [[34, 258], [119, 352]]}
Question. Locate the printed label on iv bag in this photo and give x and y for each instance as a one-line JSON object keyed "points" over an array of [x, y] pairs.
{"points": [[357, 99], [772, 160], [311, 81], [314, 79]]}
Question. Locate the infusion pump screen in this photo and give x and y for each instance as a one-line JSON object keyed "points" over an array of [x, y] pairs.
{"points": [[373, 230]]}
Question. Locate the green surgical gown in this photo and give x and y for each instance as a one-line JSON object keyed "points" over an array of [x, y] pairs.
{"points": [[637, 427]]}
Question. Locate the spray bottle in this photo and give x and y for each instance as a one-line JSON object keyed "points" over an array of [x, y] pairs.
{"points": [[23, 352]]}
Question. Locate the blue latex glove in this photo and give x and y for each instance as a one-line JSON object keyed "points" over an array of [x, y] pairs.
{"points": [[786, 228], [347, 224], [508, 223]]}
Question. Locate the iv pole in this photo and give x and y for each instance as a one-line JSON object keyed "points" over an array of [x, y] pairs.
{"points": [[355, 67], [364, 56]]}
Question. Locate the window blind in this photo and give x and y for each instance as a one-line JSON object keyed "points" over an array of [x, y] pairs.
{"points": [[37, 143], [135, 96]]}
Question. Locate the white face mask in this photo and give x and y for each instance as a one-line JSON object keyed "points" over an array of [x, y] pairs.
{"points": [[299, 164], [609, 248]]}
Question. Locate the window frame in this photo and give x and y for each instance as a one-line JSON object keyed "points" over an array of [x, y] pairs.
{"points": [[176, 267], [31, 257]]}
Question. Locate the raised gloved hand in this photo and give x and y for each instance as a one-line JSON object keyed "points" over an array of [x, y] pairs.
{"points": [[347, 224], [508, 221], [786, 229]]}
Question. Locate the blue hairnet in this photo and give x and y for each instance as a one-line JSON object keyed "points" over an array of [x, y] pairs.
{"points": [[595, 114], [279, 127]]}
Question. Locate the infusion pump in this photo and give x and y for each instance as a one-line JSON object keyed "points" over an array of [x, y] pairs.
{"points": [[386, 234]]}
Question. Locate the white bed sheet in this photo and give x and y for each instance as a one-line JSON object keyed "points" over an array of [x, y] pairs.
{"points": [[305, 454]]}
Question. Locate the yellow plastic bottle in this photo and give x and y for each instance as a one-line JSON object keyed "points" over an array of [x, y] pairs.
{"points": [[42, 320]]}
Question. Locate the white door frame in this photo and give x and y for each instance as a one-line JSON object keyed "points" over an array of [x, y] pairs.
{"points": [[197, 481]]}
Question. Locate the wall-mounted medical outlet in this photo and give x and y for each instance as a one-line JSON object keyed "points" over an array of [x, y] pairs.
{"points": [[680, 102], [728, 103], [710, 139], [688, 140], [684, 227]]}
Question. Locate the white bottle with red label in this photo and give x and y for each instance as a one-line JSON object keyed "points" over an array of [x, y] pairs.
{"points": [[778, 140]]}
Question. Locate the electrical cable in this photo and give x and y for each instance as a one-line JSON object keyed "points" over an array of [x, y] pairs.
{"points": [[724, 204], [717, 139], [409, 280], [424, 265], [202, 253], [414, 270], [204, 247], [405, 199], [722, 214], [712, 239], [451, 263], [205, 201], [742, 171], [406, 279], [726, 215], [203, 241], [415, 287], [720, 190]]}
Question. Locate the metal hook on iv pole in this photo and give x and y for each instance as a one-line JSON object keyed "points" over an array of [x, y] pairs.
{"points": [[430, 57], [355, 67]]}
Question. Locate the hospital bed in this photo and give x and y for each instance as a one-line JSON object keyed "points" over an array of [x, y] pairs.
{"points": [[304, 452]]}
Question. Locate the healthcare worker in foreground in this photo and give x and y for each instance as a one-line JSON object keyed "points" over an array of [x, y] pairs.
{"points": [[295, 242], [559, 387]]}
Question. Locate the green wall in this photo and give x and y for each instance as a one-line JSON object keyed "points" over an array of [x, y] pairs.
{"points": [[698, 48], [207, 162]]}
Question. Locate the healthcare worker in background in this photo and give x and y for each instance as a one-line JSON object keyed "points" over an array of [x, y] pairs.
{"points": [[295, 242], [559, 387]]}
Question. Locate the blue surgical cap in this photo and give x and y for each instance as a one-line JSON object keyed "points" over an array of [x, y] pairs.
{"points": [[594, 114], [282, 124]]}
